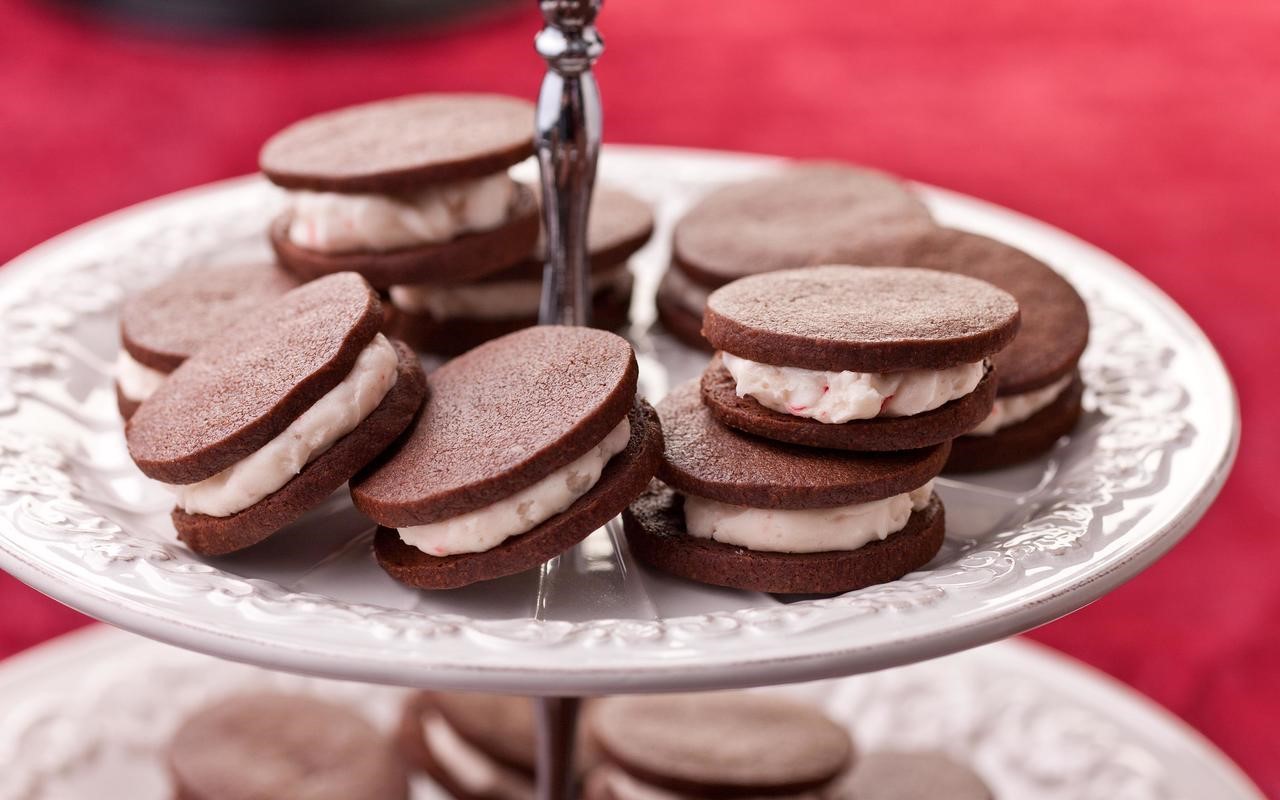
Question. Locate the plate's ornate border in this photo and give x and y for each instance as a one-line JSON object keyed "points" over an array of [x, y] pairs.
{"points": [[59, 478]]}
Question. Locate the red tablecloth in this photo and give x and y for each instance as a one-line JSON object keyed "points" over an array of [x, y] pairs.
{"points": [[1150, 127]]}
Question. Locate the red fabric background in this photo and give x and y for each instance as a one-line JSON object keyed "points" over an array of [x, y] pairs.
{"points": [[1150, 127]]}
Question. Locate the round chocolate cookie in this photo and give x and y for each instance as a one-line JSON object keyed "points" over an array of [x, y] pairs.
{"points": [[1055, 322], [619, 224], [723, 745], [870, 435], [286, 747], [321, 477], [254, 380], [503, 417], [915, 776], [610, 309], [707, 460], [655, 528], [251, 383], [1053, 334], [1021, 441], [162, 326], [861, 319], [398, 144], [807, 214], [467, 257], [623, 478]]}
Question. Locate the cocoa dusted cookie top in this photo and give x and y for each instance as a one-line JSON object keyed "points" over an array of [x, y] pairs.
{"points": [[723, 744], [502, 417], [162, 326], [249, 383], [707, 459], [1055, 322], [398, 144], [810, 213], [862, 319], [283, 746]]}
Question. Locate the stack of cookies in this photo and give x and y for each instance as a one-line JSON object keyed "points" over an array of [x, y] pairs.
{"points": [[802, 461], [813, 214], [414, 195]]}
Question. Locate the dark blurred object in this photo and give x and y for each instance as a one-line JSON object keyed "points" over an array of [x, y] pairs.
{"points": [[282, 15]]}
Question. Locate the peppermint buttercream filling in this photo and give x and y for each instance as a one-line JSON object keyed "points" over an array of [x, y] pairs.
{"points": [[1014, 408], [838, 397], [334, 222], [487, 527], [809, 530], [136, 380], [314, 431]]}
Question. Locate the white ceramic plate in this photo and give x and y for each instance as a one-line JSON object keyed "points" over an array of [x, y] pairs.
{"points": [[89, 716], [1024, 546]]}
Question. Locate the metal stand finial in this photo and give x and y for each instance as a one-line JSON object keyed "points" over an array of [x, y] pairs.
{"points": [[568, 141]]}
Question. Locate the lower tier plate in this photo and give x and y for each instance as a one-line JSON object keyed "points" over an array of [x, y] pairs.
{"points": [[89, 716]]}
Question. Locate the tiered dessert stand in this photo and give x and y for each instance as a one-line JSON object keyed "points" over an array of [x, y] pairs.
{"points": [[1024, 546]]}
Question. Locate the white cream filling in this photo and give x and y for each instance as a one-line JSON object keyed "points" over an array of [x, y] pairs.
{"points": [[693, 296], [136, 380], [471, 769], [277, 462], [486, 528], [488, 300], [837, 397], [816, 530], [336, 222], [623, 786], [1015, 408]]}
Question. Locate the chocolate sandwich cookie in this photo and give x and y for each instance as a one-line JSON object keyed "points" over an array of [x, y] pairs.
{"points": [[915, 776], [477, 746], [404, 191], [1039, 391], [855, 358], [274, 414], [162, 326], [806, 215], [721, 745], [735, 510], [286, 747], [530, 442], [450, 319]]}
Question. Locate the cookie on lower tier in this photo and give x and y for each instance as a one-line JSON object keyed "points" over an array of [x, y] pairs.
{"points": [[162, 326], [530, 442], [722, 745], [856, 358], [286, 747], [477, 746], [734, 510], [276, 413], [915, 776], [408, 190]]}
